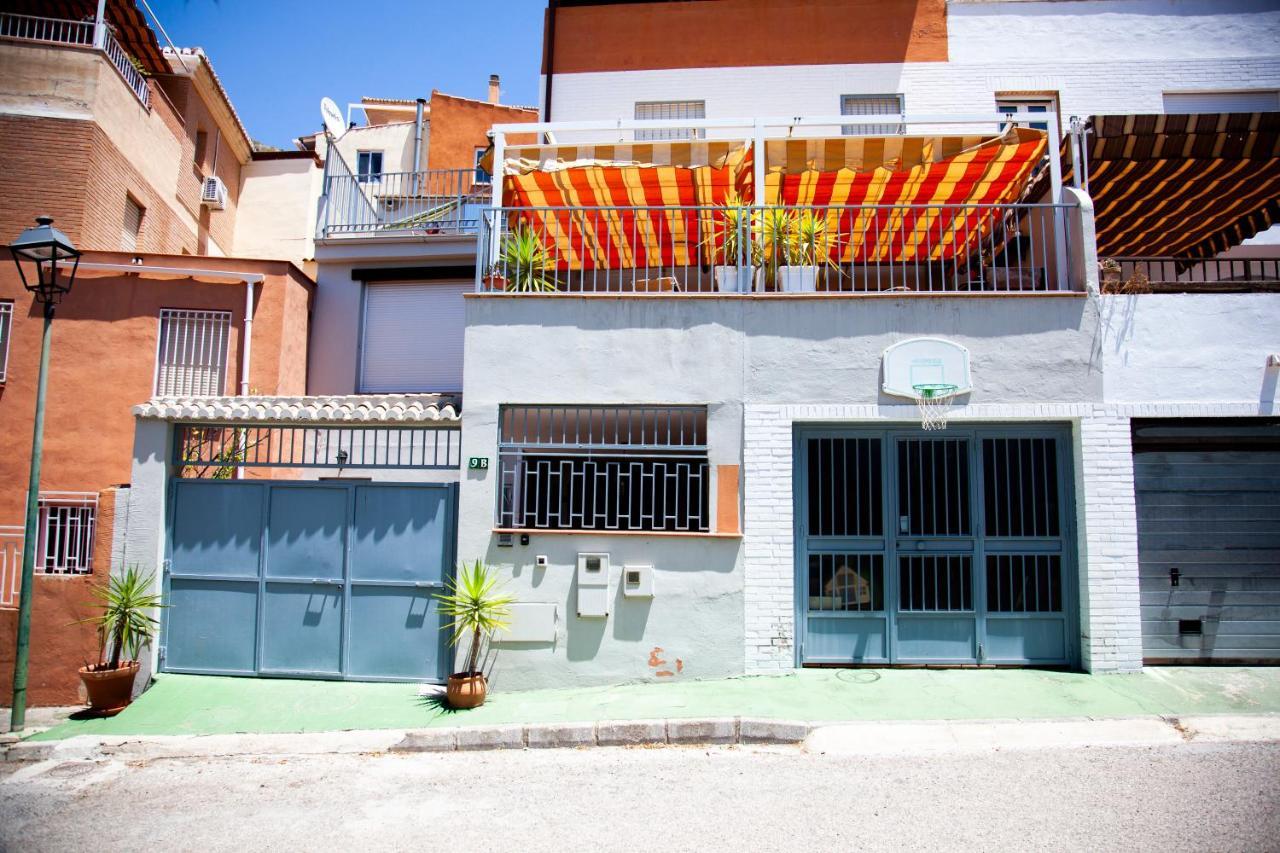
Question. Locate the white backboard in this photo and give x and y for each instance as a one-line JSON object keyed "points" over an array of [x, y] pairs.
{"points": [[925, 361]]}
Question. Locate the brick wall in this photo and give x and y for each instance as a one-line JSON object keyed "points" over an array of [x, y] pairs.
{"points": [[112, 179]]}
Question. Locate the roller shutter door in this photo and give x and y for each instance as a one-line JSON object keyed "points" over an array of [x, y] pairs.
{"points": [[1208, 501], [412, 337]]}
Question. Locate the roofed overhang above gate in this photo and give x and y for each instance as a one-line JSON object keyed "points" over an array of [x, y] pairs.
{"points": [[437, 409]]}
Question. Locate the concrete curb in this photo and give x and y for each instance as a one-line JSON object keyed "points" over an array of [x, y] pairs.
{"points": [[833, 738]]}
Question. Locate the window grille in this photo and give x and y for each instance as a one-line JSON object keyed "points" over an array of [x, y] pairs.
{"points": [[192, 357], [132, 226], [66, 527], [6, 327], [603, 468], [871, 105], [369, 166], [666, 111]]}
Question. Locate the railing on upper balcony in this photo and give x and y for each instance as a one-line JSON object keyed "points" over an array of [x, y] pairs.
{"points": [[80, 33], [1183, 275], [438, 201], [935, 248]]}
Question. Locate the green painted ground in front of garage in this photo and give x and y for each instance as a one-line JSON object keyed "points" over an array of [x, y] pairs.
{"points": [[193, 704]]}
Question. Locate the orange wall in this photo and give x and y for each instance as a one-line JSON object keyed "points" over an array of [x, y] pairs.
{"points": [[725, 33], [102, 364], [459, 125]]}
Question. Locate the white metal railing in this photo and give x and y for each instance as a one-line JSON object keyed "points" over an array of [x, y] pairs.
{"points": [[934, 248], [80, 33], [436, 201], [10, 565]]}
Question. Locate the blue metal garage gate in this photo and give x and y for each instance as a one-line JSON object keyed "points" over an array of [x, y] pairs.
{"points": [[316, 579], [947, 548]]}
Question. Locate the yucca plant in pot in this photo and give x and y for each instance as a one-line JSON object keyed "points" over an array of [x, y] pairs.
{"points": [[730, 243], [476, 609], [805, 249], [125, 625], [524, 264]]}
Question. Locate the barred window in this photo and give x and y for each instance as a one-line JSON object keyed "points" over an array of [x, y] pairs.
{"points": [[192, 357], [603, 468], [6, 325], [668, 110], [65, 532], [871, 105]]}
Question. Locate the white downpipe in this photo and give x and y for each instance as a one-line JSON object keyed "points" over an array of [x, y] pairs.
{"points": [[499, 173], [100, 26], [246, 346]]}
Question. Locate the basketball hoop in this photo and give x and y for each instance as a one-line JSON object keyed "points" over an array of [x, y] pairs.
{"points": [[934, 402]]}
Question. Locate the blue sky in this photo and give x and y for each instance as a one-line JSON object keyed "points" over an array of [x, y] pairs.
{"points": [[277, 58]]}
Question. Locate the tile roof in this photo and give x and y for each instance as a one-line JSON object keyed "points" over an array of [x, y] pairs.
{"points": [[354, 408]]}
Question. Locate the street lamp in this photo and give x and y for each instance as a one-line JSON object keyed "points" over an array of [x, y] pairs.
{"points": [[51, 252]]}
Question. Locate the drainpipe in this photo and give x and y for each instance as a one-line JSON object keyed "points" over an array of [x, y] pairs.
{"points": [[549, 58], [248, 337], [417, 135], [100, 27]]}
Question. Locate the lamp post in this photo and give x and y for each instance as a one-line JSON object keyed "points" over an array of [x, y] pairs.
{"points": [[49, 249]]}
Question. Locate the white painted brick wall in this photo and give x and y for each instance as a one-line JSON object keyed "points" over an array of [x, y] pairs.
{"points": [[1106, 517]]}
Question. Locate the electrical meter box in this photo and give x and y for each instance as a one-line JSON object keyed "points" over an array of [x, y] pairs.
{"points": [[593, 586], [637, 581]]}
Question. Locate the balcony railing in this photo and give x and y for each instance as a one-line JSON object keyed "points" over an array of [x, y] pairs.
{"points": [[1190, 275], [869, 249], [440, 201], [79, 33]]}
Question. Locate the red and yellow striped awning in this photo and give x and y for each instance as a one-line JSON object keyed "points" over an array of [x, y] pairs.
{"points": [[557, 191]]}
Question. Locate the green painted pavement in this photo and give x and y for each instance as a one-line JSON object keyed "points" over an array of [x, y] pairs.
{"points": [[193, 704]]}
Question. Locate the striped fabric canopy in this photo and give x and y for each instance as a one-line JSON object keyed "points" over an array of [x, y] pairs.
{"points": [[842, 174], [560, 185], [910, 176], [1186, 186]]}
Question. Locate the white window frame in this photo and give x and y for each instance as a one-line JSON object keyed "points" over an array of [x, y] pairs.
{"points": [[847, 100], [670, 111], [370, 175], [481, 176], [207, 348], [67, 521], [1014, 102], [6, 332]]}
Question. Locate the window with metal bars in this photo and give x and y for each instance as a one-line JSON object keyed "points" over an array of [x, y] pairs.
{"points": [[935, 583], [66, 524], [1024, 583], [871, 105], [1020, 487], [6, 326], [603, 468], [846, 582], [669, 111], [191, 360]]}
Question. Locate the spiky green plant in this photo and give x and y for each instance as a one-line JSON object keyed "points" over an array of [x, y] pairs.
{"points": [[526, 263], [474, 607], [729, 237], [807, 243], [125, 625]]}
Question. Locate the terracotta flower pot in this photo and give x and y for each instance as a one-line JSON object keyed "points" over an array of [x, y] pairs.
{"points": [[110, 690], [466, 690]]}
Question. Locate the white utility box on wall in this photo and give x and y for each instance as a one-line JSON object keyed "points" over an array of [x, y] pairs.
{"points": [[593, 585], [529, 622], [637, 581]]}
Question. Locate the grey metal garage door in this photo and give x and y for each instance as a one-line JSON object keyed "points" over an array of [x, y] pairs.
{"points": [[948, 548], [1208, 499], [310, 579]]}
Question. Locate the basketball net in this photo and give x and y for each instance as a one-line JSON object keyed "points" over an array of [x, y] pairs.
{"points": [[934, 402]]}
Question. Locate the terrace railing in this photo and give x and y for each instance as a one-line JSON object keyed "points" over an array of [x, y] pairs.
{"points": [[1179, 275], [834, 249], [438, 201], [81, 34]]}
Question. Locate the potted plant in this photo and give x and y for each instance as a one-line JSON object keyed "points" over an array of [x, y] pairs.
{"points": [[524, 265], [1111, 274], [476, 610], [804, 249], [124, 626], [730, 243]]}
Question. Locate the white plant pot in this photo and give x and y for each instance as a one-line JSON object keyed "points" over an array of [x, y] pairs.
{"points": [[798, 279], [727, 278]]}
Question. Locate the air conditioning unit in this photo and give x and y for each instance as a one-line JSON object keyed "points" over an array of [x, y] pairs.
{"points": [[214, 193]]}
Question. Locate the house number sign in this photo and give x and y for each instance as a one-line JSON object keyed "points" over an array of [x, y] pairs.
{"points": [[478, 463]]}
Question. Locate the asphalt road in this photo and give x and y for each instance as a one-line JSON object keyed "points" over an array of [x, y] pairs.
{"points": [[1185, 797]]}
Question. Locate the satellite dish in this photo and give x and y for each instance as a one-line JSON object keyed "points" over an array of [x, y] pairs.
{"points": [[333, 120]]}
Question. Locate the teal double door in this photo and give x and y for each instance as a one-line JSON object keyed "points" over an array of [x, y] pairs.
{"points": [[950, 547], [307, 579]]}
